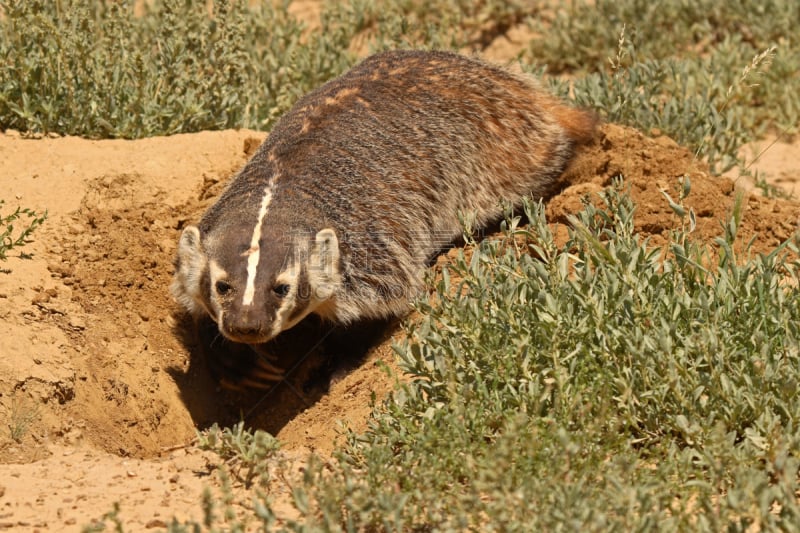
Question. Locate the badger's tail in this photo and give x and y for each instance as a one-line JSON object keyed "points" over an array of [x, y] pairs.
{"points": [[580, 125]]}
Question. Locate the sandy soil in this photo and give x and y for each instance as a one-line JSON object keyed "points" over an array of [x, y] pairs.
{"points": [[98, 375]]}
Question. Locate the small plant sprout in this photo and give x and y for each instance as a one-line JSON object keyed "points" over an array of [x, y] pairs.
{"points": [[16, 228]]}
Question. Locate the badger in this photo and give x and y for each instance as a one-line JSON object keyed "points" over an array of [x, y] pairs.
{"points": [[362, 183]]}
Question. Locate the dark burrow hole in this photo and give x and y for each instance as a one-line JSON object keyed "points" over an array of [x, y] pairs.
{"points": [[227, 382]]}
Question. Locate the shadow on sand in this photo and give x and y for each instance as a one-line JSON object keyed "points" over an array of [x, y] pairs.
{"points": [[227, 382]]}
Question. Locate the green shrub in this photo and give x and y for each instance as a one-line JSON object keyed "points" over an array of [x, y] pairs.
{"points": [[11, 238], [580, 34], [248, 453], [693, 107], [451, 24], [21, 416], [94, 69], [711, 40], [602, 384]]}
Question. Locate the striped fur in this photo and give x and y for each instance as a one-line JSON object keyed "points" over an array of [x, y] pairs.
{"points": [[361, 184]]}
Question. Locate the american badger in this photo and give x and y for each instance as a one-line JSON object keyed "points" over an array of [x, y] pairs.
{"points": [[360, 185]]}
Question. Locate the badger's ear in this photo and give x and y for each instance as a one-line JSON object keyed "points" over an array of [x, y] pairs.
{"points": [[324, 266], [190, 250], [325, 255], [190, 264]]}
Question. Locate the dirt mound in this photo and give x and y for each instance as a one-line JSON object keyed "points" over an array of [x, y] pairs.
{"points": [[652, 165], [96, 355]]}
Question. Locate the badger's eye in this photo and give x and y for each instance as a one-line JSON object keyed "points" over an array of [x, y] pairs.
{"points": [[281, 290], [223, 287]]}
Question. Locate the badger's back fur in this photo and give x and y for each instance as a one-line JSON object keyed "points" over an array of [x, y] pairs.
{"points": [[362, 182]]}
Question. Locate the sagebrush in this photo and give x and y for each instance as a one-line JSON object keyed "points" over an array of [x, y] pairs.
{"points": [[101, 69], [603, 384]]}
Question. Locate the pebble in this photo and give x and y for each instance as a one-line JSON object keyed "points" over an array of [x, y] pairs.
{"points": [[77, 322]]}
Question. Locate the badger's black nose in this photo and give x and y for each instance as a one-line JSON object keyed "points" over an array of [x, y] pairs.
{"points": [[245, 328]]}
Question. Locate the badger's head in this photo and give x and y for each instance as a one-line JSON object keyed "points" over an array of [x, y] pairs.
{"points": [[255, 286]]}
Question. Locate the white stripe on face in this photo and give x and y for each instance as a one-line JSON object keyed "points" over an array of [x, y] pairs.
{"points": [[215, 273], [254, 251], [288, 277]]}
